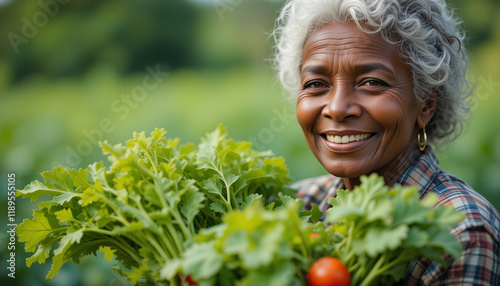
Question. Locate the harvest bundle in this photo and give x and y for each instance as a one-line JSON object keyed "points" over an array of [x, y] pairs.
{"points": [[220, 213]]}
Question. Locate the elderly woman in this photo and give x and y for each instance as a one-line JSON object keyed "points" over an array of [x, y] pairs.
{"points": [[376, 83]]}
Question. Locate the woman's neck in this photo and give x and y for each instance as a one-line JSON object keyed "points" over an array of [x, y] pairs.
{"points": [[393, 170]]}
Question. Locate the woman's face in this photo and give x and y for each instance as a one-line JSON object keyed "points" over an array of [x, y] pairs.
{"points": [[356, 105]]}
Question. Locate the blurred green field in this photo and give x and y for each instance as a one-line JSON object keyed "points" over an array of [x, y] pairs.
{"points": [[53, 111]]}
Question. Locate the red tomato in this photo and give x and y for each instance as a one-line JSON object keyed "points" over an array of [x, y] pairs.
{"points": [[313, 235], [188, 279], [328, 271]]}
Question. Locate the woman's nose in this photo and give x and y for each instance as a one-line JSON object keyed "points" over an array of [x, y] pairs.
{"points": [[341, 104]]}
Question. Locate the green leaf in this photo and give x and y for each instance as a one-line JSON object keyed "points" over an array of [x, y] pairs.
{"points": [[212, 139], [340, 199], [431, 253], [64, 215], [137, 273], [276, 168], [408, 209], [218, 207], [45, 205], [447, 242], [202, 261], [230, 179], [447, 217], [157, 135], [380, 240], [251, 199], [71, 237], [79, 177], [173, 199], [208, 160], [98, 173], [36, 189], [108, 252], [381, 210], [287, 200], [66, 197], [236, 243], [191, 203], [170, 268], [57, 262], [42, 251], [60, 254], [276, 274], [417, 238], [89, 196], [58, 179], [35, 231], [213, 185], [253, 174], [429, 200], [266, 244], [187, 149], [338, 213], [229, 157], [316, 213]]}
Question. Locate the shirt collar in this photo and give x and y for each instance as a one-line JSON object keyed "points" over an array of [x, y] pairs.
{"points": [[422, 172]]}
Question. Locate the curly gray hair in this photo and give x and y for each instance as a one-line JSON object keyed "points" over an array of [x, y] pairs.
{"points": [[427, 33]]}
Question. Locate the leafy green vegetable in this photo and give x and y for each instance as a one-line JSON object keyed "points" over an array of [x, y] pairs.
{"points": [[384, 229], [145, 208], [375, 231], [219, 213], [255, 246]]}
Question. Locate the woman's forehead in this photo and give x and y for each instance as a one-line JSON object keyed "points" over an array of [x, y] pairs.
{"points": [[345, 36], [347, 40]]}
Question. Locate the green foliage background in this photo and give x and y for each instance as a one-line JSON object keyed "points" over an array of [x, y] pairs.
{"points": [[63, 74]]}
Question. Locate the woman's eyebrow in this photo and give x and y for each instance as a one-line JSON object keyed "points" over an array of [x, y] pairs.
{"points": [[365, 68], [359, 69], [315, 69]]}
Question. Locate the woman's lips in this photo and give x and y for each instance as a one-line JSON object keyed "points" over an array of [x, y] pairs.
{"points": [[346, 143]]}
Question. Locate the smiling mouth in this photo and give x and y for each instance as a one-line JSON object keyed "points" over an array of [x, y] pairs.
{"points": [[347, 138]]}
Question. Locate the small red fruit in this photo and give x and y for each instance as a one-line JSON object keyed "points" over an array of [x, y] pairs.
{"points": [[328, 271], [313, 235], [188, 279]]}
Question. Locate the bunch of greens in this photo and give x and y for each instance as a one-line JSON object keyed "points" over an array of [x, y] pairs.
{"points": [[255, 246], [145, 208], [382, 230], [374, 231], [219, 213]]}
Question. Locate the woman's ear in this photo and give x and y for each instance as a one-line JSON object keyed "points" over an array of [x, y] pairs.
{"points": [[427, 110]]}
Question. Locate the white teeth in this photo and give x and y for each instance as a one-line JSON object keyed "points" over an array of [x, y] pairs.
{"points": [[346, 139]]}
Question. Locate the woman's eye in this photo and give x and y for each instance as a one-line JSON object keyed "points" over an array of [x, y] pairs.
{"points": [[375, 82], [314, 84]]}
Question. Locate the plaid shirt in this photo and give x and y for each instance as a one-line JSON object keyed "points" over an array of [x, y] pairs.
{"points": [[479, 233]]}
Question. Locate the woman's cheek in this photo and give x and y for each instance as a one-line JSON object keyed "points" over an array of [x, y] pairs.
{"points": [[307, 111], [397, 119]]}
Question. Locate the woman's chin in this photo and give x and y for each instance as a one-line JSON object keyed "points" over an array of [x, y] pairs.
{"points": [[346, 171]]}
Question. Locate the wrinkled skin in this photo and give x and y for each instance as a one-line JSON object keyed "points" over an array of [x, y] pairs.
{"points": [[354, 83]]}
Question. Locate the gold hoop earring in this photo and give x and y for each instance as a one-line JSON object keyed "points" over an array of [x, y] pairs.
{"points": [[422, 145]]}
